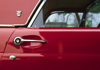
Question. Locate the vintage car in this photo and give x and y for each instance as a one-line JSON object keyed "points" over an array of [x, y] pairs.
{"points": [[49, 35]]}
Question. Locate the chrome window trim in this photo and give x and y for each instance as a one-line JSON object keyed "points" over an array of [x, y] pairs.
{"points": [[7, 25], [2, 25], [36, 13], [32, 12]]}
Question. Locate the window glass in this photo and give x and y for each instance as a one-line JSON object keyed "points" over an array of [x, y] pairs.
{"points": [[50, 17], [63, 20], [93, 16]]}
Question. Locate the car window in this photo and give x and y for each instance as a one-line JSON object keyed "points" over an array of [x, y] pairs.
{"points": [[50, 17], [93, 16], [63, 20]]}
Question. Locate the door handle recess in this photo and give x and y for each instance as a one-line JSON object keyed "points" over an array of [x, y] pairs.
{"points": [[18, 41]]}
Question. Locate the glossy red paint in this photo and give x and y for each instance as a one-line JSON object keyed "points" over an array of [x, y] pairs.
{"points": [[9, 8], [66, 49], [0, 59], [5, 34]]}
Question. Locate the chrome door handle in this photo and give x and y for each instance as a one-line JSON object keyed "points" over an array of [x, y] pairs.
{"points": [[18, 41]]}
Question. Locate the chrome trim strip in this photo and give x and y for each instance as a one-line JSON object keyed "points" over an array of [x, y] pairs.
{"points": [[32, 12], [41, 41], [19, 25], [1, 25], [36, 14], [7, 25]]}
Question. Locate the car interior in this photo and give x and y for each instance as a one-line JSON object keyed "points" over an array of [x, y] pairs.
{"points": [[66, 13]]}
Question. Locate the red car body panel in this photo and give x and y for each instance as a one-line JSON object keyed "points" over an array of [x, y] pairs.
{"points": [[0, 59], [5, 34], [8, 11], [66, 49]]}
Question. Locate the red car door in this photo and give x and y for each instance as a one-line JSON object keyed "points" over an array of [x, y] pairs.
{"points": [[50, 44], [5, 34], [66, 48]]}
